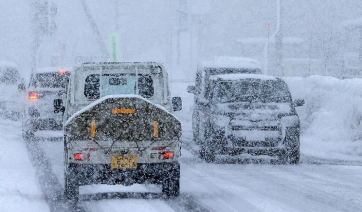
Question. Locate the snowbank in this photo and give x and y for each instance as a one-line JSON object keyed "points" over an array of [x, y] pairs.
{"points": [[19, 189], [331, 117]]}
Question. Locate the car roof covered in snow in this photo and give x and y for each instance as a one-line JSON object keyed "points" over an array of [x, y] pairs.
{"points": [[7, 64], [233, 77], [232, 62], [52, 69]]}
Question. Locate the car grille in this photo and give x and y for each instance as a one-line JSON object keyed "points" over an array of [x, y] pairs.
{"points": [[261, 128]]}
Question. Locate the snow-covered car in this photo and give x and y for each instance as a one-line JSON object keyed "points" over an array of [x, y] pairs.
{"points": [[12, 87], [249, 114], [118, 128], [44, 107], [206, 69]]}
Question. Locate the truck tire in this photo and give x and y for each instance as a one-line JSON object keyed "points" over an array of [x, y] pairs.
{"points": [[171, 183], [207, 155]]}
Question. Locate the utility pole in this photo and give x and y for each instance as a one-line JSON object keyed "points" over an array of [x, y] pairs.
{"points": [[43, 25], [279, 40]]}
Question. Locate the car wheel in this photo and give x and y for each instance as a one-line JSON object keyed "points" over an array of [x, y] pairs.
{"points": [[28, 135], [207, 155], [71, 191], [171, 183], [293, 156], [292, 144]]}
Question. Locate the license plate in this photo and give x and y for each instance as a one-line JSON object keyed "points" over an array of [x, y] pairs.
{"points": [[124, 162]]}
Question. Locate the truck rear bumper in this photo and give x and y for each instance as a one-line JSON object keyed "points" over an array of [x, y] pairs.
{"points": [[87, 174]]}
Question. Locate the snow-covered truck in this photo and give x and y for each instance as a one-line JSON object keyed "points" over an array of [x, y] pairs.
{"points": [[118, 127]]}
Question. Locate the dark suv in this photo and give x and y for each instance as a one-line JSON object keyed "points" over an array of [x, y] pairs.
{"points": [[248, 114]]}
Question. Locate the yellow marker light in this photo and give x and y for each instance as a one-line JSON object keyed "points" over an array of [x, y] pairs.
{"points": [[155, 129], [93, 128], [123, 110]]}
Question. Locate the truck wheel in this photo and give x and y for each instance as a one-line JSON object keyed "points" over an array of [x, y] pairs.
{"points": [[171, 183], [71, 191]]}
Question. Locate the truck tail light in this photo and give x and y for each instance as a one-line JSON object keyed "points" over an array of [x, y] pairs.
{"points": [[78, 156], [168, 155], [165, 155]]}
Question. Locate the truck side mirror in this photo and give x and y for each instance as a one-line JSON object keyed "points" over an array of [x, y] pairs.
{"points": [[176, 103], [298, 102], [58, 106], [191, 89]]}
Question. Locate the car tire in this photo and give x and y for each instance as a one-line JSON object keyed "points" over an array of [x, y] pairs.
{"points": [[292, 144], [71, 191], [171, 183], [207, 155], [293, 156], [28, 135]]}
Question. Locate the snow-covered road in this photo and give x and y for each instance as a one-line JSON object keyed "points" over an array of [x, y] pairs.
{"points": [[310, 186]]}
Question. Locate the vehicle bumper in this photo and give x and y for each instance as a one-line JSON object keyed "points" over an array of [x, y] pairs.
{"points": [[269, 151], [36, 124], [87, 174]]}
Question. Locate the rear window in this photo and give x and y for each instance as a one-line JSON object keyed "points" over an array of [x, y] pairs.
{"points": [[109, 84], [9, 76], [50, 80]]}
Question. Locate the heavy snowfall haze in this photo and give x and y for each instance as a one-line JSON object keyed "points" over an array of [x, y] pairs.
{"points": [[178, 33]]}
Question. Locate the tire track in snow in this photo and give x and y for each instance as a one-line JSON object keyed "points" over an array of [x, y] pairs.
{"points": [[51, 187]]}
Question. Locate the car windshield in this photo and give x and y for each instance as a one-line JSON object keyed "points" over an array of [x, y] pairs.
{"points": [[96, 86], [250, 90], [9, 76], [50, 80]]}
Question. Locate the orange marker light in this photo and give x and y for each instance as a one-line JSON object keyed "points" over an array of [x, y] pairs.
{"points": [[155, 129], [93, 128], [33, 96], [123, 110]]}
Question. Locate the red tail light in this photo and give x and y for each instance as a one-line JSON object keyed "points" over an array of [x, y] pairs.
{"points": [[168, 155], [33, 96], [78, 156], [165, 155], [63, 71]]}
